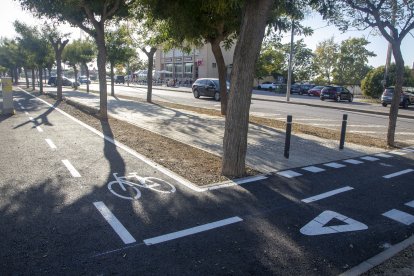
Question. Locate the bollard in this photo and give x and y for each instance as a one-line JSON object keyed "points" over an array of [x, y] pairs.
{"points": [[6, 87], [288, 134], [343, 131]]}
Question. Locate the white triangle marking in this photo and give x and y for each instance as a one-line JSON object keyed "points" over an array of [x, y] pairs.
{"points": [[317, 226]]}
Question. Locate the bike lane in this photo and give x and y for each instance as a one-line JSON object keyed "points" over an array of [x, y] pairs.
{"points": [[254, 228]]}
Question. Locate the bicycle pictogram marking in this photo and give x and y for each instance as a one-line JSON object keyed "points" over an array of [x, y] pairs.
{"points": [[133, 193]]}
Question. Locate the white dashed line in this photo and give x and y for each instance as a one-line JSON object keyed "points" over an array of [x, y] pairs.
{"points": [[369, 158], [327, 194], [122, 232], [313, 169], [31, 119], [39, 129], [51, 144], [410, 204], [71, 168], [399, 216], [192, 231], [383, 155], [334, 165], [398, 173], [397, 152], [353, 161], [289, 174]]}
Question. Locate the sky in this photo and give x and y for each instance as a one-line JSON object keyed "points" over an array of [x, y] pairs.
{"points": [[10, 11]]}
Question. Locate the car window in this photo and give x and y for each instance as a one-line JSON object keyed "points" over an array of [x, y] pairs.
{"points": [[210, 83]]}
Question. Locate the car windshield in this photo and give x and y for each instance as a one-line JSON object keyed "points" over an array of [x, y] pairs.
{"points": [[318, 87], [389, 91]]}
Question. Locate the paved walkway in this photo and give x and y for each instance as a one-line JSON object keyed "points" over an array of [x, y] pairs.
{"points": [[265, 144]]}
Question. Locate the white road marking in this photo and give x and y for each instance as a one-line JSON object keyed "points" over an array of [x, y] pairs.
{"points": [[334, 165], [327, 194], [51, 144], [398, 173], [22, 107], [383, 155], [31, 119], [369, 158], [313, 169], [122, 232], [399, 216], [39, 129], [289, 174], [397, 152], [235, 182], [71, 168], [353, 161], [410, 204], [27, 113], [192, 231], [317, 225]]}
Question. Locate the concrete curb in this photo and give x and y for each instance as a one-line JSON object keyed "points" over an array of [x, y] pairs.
{"points": [[379, 258]]}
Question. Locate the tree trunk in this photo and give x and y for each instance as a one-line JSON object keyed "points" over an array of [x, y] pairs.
{"points": [[75, 69], [59, 75], [16, 75], [395, 104], [87, 77], [255, 14], [221, 66], [26, 77], [33, 79], [112, 79], [150, 56], [101, 60], [40, 81]]}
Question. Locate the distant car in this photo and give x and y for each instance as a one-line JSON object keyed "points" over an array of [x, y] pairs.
{"points": [[406, 98], [84, 79], [267, 85], [120, 79], [305, 88], [65, 82], [295, 88], [315, 91], [336, 93], [208, 87]]}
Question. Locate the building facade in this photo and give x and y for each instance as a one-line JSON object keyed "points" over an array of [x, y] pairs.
{"points": [[199, 63]]}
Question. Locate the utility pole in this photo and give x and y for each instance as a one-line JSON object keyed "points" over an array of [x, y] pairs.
{"points": [[289, 80]]}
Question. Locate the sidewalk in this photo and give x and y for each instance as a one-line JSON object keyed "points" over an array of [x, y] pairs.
{"points": [[265, 145]]}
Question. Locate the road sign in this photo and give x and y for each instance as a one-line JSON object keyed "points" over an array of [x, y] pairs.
{"points": [[317, 226]]}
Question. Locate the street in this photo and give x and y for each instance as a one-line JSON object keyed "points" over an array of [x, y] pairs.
{"points": [[64, 211]]}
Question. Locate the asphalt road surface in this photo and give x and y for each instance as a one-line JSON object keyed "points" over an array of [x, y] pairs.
{"points": [[59, 215], [358, 122]]}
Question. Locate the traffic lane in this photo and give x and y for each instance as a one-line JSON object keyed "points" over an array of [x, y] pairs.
{"points": [[267, 212], [73, 220]]}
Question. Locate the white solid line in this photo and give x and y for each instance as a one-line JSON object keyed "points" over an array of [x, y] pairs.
{"points": [[192, 231], [39, 129], [327, 194], [399, 216], [398, 173], [289, 174], [125, 236], [71, 168], [51, 144]]}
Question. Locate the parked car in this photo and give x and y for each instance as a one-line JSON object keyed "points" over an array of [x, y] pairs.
{"points": [[120, 79], [295, 88], [305, 88], [267, 85], [208, 87], [65, 82], [84, 79], [336, 93], [406, 97], [315, 91]]}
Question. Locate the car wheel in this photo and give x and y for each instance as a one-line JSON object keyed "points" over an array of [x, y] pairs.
{"points": [[384, 104], [338, 98], [405, 104], [322, 99], [217, 96], [350, 99], [196, 94]]}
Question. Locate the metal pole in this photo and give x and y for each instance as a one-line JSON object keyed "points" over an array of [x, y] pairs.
{"points": [[343, 131], [289, 80], [288, 134]]}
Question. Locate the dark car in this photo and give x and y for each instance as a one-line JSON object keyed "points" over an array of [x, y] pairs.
{"points": [[336, 93], [305, 88], [406, 98], [295, 88], [65, 82], [120, 79], [208, 87], [315, 91], [84, 79]]}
